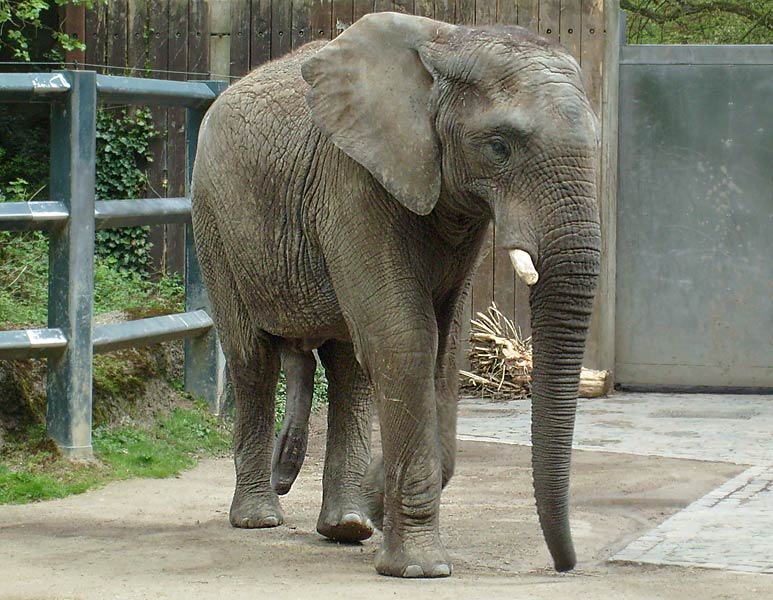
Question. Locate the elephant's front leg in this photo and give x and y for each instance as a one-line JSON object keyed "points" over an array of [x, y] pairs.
{"points": [[405, 387], [398, 351]]}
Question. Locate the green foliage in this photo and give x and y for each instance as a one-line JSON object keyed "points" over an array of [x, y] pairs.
{"points": [[24, 137], [24, 292], [699, 21], [20, 20], [23, 267], [32, 469], [123, 152]]}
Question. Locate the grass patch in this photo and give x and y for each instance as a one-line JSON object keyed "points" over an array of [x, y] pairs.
{"points": [[24, 285], [32, 469]]}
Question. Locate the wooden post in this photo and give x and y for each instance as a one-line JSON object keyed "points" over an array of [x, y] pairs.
{"points": [[604, 333]]}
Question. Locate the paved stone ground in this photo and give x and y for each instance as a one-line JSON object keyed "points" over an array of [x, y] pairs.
{"points": [[729, 528]]}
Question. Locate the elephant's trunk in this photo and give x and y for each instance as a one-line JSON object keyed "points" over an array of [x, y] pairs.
{"points": [[561, 304]]}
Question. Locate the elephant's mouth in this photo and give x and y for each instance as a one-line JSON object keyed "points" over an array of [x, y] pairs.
{"points": [[524, 266]]}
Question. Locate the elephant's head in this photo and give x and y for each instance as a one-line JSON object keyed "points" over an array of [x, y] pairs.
{"points": [[496, 122]]}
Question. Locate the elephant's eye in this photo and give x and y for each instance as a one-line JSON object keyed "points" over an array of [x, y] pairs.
{"points": [[500, 150]]}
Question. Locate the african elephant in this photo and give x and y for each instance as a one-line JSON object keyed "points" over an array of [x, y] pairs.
{"points": [[341, 196]]}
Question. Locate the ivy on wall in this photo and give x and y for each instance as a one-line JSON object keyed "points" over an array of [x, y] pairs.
{"points": [[123, 152]]}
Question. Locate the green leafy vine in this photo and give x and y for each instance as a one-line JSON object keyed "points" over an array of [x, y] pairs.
{"points": [[123, 152]]}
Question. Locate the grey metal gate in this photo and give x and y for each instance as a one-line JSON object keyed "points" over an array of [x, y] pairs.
{"points": [[694, 303]]}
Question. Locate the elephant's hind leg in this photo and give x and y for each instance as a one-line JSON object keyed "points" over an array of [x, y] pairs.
{"points": [[343, 516], [253, 364], [254, 378], [290, 446]]}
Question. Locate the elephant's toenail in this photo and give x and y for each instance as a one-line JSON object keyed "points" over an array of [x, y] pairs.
{"points": [[269, 522], [441, 571], [413, 571], [351, 518]]}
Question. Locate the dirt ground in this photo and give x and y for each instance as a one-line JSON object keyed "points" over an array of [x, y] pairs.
{"points": [[171, 538]]}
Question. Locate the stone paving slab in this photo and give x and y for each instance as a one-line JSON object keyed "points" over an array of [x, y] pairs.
{"points": [[723, 428], [729, 528]]}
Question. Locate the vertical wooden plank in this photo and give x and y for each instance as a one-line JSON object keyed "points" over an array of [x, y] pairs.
{"points": [[73, 23], [343, 12], [445, 10], [260, 33], [483, 282], [404, 6], [528, 14], [521, 307], [507, 12], [174, 246], [116, 38], [465, 12], [137, 44], [485, 12], [281, 28], [550, 18], [301, 23], [157, 40], [198, 38], [462, 360], [178, 52], [601, 338], [240, 37], [322, 19], [571, 26], [424, 8], [504, 282], [96, 35], [361, 8], [592, 49], [219, 39], [383, 5]]}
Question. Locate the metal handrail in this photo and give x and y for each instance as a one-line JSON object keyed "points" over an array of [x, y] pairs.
{"points": [[71, 221]]}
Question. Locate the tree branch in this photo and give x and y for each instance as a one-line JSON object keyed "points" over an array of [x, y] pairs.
{"points": [[683, 8]]}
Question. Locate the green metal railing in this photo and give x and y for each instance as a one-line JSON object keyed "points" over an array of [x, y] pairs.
{"points": [[70, 218]]}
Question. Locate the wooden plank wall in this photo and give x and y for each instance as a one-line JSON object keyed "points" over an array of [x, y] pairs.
{"points": [[196, 36]]}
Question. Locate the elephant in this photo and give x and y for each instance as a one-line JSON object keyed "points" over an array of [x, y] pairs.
{"points": [[341, 197]]}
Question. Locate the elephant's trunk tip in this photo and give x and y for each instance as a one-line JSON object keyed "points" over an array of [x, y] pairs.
{"points": [[566, 562], [524, 266]]}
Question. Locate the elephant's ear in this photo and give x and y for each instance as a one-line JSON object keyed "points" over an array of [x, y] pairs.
{"points": [[370, 94]]}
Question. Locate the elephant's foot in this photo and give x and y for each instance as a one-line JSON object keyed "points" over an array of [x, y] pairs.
{"points": [[289, 452], [344, 523], [253, 510], [414, 561], [372, 491]]}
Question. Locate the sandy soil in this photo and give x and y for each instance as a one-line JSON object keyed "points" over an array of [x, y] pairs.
{"points": [[171, 538]]}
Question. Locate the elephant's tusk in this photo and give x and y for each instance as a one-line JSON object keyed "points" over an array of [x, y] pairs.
{"points": [[524, 267]]}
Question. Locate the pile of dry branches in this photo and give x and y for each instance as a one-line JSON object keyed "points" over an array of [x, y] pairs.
{"points": [[500, 361]]}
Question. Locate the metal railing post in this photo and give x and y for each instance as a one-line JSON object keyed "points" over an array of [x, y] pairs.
{"points": [[205, 375], [71, 264]]}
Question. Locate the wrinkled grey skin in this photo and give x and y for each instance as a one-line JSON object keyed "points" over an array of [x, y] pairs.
{"points": [[341, 196]]}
